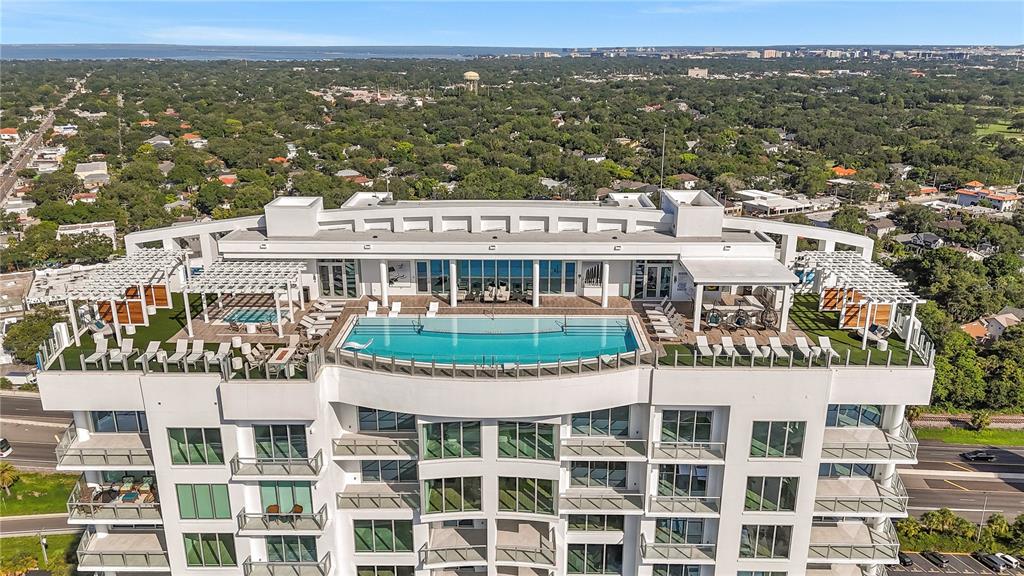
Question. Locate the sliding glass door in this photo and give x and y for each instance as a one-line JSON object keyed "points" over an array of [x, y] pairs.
{"points": [[338, 278]]}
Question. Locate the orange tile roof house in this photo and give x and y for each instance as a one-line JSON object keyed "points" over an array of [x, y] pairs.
{"points": [[147, 123], [1002, 201], [228, 179], [843, 171]]}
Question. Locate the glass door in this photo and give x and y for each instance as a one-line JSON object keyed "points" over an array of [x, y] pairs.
{"points": [[652, 280], [338, 278]]}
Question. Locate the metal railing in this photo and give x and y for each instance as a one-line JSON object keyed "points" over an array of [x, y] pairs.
{"points": [[107, 559], [54, 357], [93, 511], [358, 446], [892, 498], [682, 505], [901, 445], [576, 447], [127, 458], [885, 545], [541, 554], [282, 521], [687, 450], [453, 555], [688, 355], [664, 551], [321, 568], [382, 500], [298, 467], [611, 502]]}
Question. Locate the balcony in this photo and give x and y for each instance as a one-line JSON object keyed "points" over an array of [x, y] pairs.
{"points": [[861, 496], [103, 451], [670, 452], [595, 500], [120, 503], [379, 496], [603, 448], [275, 522], [276, 468], [373, 447], [676, 552], [122, 552], [452, 547], [705, 506], [524, 543], [321, 568], [853, 543], [869, 444]]}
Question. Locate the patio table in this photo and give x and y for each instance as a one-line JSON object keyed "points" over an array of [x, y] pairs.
{"points": [[282, 357]]}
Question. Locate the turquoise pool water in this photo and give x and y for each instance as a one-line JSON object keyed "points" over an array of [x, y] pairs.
{"points": [[467, 340], [251, 315]]}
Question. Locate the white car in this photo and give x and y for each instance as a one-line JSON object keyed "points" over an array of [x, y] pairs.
{"points": [[1008, 560], [5, 448]]}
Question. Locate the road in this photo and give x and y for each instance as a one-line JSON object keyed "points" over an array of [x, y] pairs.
{"points": [[33, 444], [42, 523]]}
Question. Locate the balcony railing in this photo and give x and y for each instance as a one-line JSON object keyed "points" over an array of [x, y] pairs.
{"points": [[125, 458], [654, 552], [901, 445], [292, 467], [891, 499], [594, 448], [683, 505], [382, 499], [541, 555], [282, 521], [690, 451], [884, 545], [454, 555], [115, 560], [602, 501], [355, 446], [84, 504], [321, 568]]}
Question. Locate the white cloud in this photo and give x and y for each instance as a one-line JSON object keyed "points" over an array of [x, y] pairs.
{"points": [[229, 36]]}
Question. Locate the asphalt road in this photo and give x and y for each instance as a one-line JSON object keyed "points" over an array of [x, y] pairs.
{"points": [[36, 524], [33, 444], [29, 408], [958, 564], [946, 457]]}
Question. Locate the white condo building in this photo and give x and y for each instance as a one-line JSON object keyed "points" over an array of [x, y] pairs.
{"points": [[511, 388]]}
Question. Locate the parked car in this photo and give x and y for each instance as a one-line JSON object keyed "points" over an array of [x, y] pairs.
{"points": [[936, 558], [990, 561], [978, 456], [5, 448], [905, 559], [1008, 560]]}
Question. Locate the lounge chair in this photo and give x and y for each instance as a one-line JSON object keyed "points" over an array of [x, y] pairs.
{"points": [[728, 348], [356, 346], [126, 351], [371, 309], [826, 346], [101, 351], [775, 343], [146, 357], [665, 333], [703, 348], [750, 345], [396, 309], [432, 309], [324, 306], [197, 352], [805, 349], [180, 351], [222, 353], [658, 306]]}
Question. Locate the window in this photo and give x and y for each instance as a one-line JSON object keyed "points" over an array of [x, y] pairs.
{"points": [[476, 275], [389, 471], [686, 426], [594, 559], [195, 446], [847, 415], [288, 549], [287, 495], [526, 440], [526, 495], [596, 523], [203, 501], [432, 277], [383, 535], [452, 494], [605, 474], [678, 531], [385, 570], [280, 441], [209, 549], [771, 494], [777, 440], [845, 470], [609, 422], [676, 570], [451, 440], [682, 480], [371, 420], [557, 276], [765, 541], [121, 421]]}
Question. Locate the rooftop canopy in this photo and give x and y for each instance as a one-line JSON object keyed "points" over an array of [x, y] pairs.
{"points": [[739, 271], [247, 277], [145, 267], [874, 283]]}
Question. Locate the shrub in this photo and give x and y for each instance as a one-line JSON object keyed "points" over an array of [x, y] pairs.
{"points": [[980, 420]]}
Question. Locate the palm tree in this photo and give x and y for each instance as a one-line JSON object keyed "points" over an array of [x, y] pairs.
{"points": [[8, 476]]}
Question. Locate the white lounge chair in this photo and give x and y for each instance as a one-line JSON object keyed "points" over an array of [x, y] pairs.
{"points": [[356, 346], [325, 306], [180, 351], [666, 334], [703, 347], [396, 309], [825, 343], [432, 309], [658, 306], [371, 309], [805, 349], [751, 347], [146, 357], [728, 348], [222, 353], [126, 351], [101, 351], [197, 352], [775, 343]]}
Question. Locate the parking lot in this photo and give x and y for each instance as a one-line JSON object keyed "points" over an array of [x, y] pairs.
{"points": [[958, 564]]}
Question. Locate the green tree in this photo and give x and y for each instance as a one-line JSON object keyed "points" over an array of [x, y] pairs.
{"points": [[25, 336], [8, 476]]}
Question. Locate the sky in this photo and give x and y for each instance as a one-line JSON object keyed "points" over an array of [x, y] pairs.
{"points": [[522, 23]]}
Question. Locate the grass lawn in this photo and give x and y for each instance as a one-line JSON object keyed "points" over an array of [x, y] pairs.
{"points": [[36, 493], [17, 554], [989, 436], [1001, 128]]}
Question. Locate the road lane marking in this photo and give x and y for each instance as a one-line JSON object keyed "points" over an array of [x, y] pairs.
{"points": [[961, 466], [951, 483]]}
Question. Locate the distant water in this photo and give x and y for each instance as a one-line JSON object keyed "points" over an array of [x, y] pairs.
{"points": [[172, 52]]}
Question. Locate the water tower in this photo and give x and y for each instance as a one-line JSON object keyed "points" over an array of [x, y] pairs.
{"points": [[472, 81]]}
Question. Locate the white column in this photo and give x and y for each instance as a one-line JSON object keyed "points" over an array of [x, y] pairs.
{"points": [[188, 314], [384, 284], [867, 324], [788, 251], [145, 312], [73, 316], [117, 323], [277, 312], [909, 331], [302, 299], [787, 298], [698, 303], [206, 313], [605, 273], [536, 283], [291, 303], [453, 284]]}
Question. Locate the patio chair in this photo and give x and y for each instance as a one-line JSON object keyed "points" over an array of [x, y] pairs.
{"points": [[432, 309], [265, 327], [396, 309], [703, 347], [126, 351], [101, 351], [665, 333], [658, 306], [235, 326], [775, 343], [805, 349], [180, 351], [371, 309], [728, 348], [825, 343], [489, 294], [750, 345], [197, 352], [146, 357], [503, 294], [222, 353], [325, 306]]}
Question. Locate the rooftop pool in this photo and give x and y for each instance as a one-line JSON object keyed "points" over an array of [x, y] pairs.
{"points": [[486, 340]]}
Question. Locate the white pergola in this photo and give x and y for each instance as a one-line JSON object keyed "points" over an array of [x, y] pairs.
{"points": [[274, 277], [872, 282], [111, 282]]}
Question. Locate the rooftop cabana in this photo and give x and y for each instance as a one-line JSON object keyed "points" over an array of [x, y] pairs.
{"points": [[865, 294], [123, 290], [274, 277], [754, 272]]}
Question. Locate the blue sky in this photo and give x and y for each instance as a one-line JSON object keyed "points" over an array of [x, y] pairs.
{"points": [[523, 23]]}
